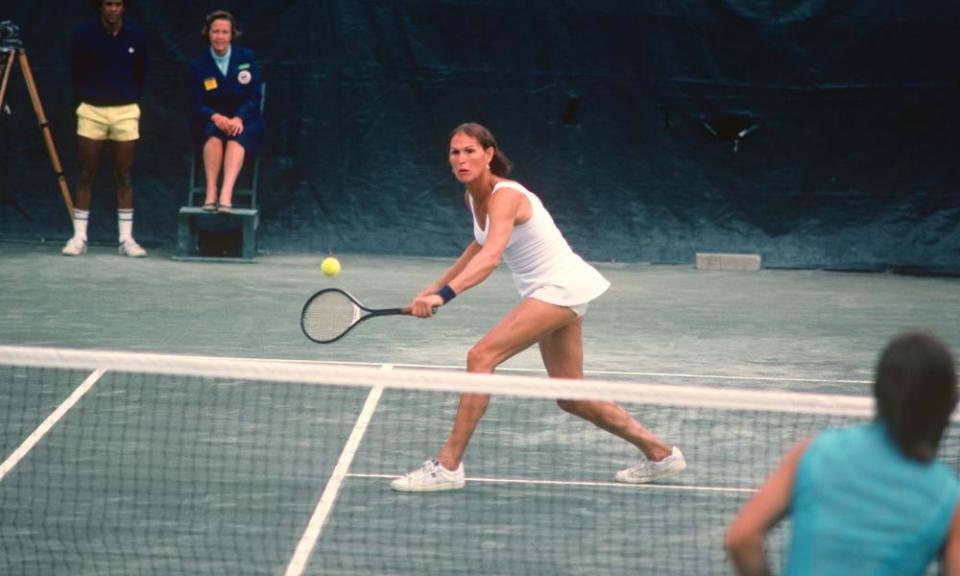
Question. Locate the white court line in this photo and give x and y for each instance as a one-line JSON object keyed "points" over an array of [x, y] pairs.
{"points": [[629, 373], [49, 423], [681, 487], [315, 527]]}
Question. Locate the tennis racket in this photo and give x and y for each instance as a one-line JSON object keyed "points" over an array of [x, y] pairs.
{"points": [[330, 313]]}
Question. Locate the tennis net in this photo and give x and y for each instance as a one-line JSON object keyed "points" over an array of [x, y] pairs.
{"points": [[125, 463]]}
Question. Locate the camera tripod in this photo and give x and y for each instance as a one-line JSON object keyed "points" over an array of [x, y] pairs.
{"points": [[8, 55]]}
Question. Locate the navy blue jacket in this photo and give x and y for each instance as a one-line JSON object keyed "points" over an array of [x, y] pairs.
{"points": [[108, 70], [235, 94]]}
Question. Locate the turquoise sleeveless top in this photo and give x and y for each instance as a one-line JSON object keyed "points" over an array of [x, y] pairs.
{"points": [[861, 507]]}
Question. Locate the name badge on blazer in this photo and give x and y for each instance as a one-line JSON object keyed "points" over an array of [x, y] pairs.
{"points": [[210, 84]]}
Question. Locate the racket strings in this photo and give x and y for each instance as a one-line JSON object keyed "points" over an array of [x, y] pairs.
{"points": [[329, 315]]}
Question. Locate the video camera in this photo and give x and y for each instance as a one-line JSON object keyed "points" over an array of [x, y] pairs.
{"points": [[9, 36]]}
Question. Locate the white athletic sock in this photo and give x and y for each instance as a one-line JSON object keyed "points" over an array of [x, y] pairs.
{"points": [[125, 223], [80, 218]]}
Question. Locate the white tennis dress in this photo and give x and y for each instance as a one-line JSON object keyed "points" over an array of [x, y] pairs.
{"points": [[542, 263]]}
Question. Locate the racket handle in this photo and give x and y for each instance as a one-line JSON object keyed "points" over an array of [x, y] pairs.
{"points": [[408, 310]]}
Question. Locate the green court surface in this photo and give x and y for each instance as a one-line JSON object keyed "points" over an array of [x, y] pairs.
{"points": [[169, 475]]}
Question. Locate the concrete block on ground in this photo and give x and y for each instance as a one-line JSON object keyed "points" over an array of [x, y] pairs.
{"points": [[715, 261]]}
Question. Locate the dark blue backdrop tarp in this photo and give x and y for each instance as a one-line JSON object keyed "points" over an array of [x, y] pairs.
{"points": [[818, 133]]}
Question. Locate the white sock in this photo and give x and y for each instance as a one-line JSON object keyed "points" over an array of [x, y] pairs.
{"points": [[125, 223], [80, 218]]}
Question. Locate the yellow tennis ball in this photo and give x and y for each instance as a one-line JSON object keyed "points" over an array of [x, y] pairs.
{"points": [[330, 266]]}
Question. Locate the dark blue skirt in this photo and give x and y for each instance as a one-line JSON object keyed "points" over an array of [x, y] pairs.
{"points": [[250, 138]]}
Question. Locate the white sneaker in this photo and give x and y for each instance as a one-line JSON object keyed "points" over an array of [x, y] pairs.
{"points": [[76, 246], [129, 247], [431, 477], [647, 471]]}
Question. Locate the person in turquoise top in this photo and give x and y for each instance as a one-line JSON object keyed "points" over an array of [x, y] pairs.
{"points": [[870, 498]]}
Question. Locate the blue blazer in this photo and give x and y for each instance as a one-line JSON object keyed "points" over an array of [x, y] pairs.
{"points": [[235, 94]]}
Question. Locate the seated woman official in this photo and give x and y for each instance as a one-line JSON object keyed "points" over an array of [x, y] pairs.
{"points": [[226, 121]]}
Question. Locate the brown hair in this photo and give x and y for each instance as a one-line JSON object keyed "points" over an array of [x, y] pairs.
{"points": [[916, 391], [220, 15], [500, 165]]}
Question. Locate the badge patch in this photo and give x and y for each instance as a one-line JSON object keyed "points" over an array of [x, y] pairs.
{"points": [[210, 84], [244, 66], [244, 77]]}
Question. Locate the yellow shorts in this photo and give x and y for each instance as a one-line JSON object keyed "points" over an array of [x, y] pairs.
{"points": [[118, 123]]}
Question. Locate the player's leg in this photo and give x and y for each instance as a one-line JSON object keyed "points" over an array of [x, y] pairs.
{"points": [[518, 330], [124, 131], [212, 159], [232, 164], [88, 155], [123, 155], [521, 328], [562, 353]]}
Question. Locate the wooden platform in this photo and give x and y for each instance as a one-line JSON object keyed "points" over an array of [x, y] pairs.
{"points": [[194, 225]]}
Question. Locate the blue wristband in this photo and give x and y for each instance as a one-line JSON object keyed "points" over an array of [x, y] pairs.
{"points": [[446, 293]]}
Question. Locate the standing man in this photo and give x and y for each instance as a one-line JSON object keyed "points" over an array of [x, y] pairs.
{"points": [[109, 55]]}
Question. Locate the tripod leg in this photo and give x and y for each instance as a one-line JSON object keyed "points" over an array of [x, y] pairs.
{"points": [[51, 149], [6, 76]]}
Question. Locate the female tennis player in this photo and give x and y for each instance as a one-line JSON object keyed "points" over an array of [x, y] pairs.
{"points": [[510, 223], [871, 498]]}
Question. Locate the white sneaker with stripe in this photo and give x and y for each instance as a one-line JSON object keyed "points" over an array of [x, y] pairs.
{"points": [[76, 246], [129, 247], [431, 477], [647, 471]]}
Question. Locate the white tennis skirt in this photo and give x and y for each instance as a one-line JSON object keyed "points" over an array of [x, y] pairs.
{"points": [[574, 286]]}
